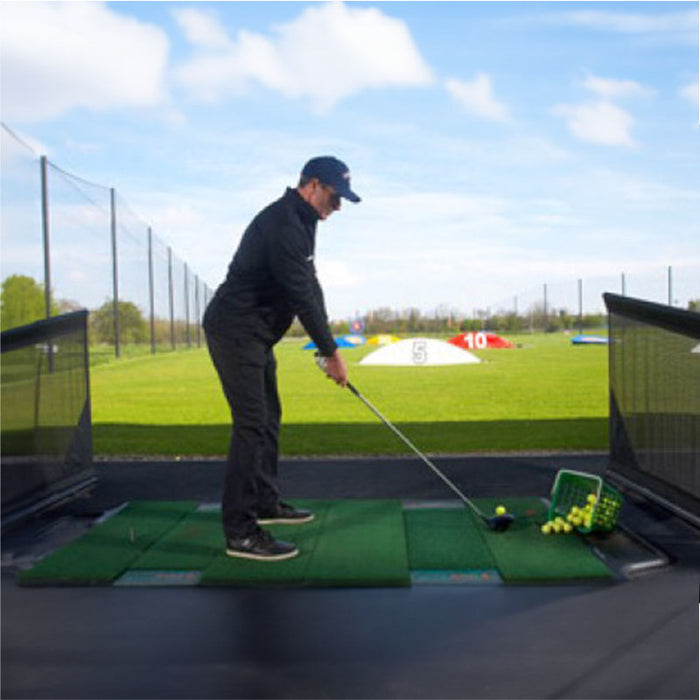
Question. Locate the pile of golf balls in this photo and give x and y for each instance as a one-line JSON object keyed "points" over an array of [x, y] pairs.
{"points": [[581, 516], [557, 526]]}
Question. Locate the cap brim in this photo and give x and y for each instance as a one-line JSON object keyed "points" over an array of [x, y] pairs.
{"points": [[350, 195]]}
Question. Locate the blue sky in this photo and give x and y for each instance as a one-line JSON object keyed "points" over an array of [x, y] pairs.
{"points": [[497, 145]]}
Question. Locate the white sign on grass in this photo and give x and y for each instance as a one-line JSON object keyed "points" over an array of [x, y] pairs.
{"points": [[419, 352]]}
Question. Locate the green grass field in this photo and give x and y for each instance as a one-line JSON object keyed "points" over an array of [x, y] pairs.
{"points": [[545, 394]]}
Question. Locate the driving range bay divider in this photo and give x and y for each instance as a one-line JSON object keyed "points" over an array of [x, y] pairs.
{"points": [[86, 247]]}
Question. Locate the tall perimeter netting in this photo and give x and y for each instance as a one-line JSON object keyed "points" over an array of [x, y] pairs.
{"points": [[46, 426], [655, 399]]}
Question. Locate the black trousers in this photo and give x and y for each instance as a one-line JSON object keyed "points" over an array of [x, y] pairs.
{"points": [[248, 373]]}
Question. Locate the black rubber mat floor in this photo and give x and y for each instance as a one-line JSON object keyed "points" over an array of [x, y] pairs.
{"points": [[635, 638]]}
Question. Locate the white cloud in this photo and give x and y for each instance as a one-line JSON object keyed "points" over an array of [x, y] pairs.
{"points": [[691, 92], [598, 122], [201, 29], [678, 22], [610, 88], [641, 194], [60, 55], [477, 97], [601, 121], [334, 274], [328, 53]]}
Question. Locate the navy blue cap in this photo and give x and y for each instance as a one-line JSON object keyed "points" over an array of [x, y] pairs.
{"points": [[333, 172]]}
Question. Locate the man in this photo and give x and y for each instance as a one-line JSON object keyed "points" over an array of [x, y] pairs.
{"points": [[271, 279]]}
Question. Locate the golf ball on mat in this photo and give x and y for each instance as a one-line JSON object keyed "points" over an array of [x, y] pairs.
{"points": [[501, 510]]}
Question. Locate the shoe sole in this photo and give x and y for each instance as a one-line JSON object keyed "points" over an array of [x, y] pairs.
{"points": [[262, 557], [285, 521]]}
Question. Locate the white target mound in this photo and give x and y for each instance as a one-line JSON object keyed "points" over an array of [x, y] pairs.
{"points": [[419, 352]]}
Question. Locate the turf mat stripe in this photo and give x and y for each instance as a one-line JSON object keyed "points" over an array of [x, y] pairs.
{"points": [[524, 555], [349, 543], [107, 550], [446, 539], [364, 544], [191, 545], [228, 571]]}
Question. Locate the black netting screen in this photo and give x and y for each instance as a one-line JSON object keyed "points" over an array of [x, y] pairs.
{"points": [[655, 398], [46, 428]]}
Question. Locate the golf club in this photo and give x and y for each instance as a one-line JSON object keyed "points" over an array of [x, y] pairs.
{"points": [[497, 523]]}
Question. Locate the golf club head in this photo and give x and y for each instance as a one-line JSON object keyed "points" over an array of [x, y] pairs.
{"points": [[500, 523]]}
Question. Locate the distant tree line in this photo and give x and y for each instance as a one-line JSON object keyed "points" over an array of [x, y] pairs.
{"points": [[135, 328], [22, 301], [412, 321]]}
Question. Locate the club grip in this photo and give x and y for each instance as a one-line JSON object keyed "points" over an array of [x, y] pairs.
{"points": [[320, 361], [321, 364]]}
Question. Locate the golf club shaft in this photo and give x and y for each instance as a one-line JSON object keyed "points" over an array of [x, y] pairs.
{"points": [[397, 432]]}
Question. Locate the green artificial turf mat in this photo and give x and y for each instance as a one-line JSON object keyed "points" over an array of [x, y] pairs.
{"points": [[190, 546], [524, 555], [446, 539], [104, 552], [229, 571], [349, 543], [367, 546]]}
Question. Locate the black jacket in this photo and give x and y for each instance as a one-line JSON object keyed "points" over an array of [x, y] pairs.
{"points": [[272, 279]]}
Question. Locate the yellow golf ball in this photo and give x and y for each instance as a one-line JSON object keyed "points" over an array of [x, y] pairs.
{"points": [[546, 529], [592, 498], [501, 510]]}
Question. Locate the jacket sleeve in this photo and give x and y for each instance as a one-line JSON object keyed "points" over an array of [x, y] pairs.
{"points": [[293, 268]]}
